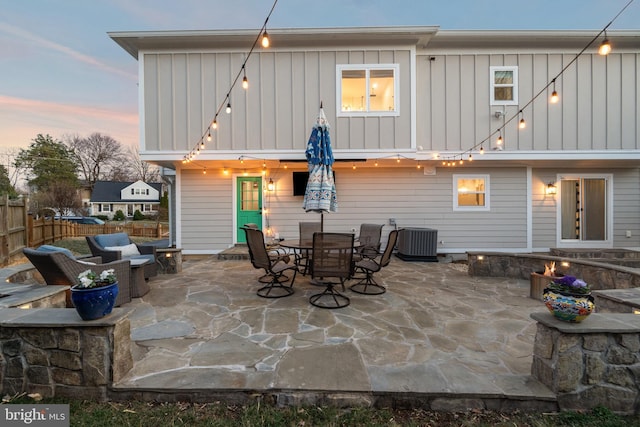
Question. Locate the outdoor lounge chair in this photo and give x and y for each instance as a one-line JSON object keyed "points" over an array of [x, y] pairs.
{"points": [[275, 267], [367, 285], [57, 267], [369, 239], [115, 246], [332, 258]]}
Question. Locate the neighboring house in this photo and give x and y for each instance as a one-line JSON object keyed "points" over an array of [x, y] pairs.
{"points": [[403, 104], [108, 197]]}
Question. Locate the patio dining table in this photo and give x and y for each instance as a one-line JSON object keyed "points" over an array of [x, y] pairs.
{"points": [[303, 248]]}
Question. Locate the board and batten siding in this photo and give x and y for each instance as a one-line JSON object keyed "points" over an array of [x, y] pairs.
{"points": [[183, 91], [365, 195], [598, 108]]}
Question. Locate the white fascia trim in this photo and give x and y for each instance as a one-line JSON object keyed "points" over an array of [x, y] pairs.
{"points": [[539, 155]]}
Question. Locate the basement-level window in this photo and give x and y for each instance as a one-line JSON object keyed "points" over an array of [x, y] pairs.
{"points": [[367, 90], [471, 192]]}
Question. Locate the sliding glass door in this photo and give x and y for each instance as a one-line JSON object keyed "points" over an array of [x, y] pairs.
{"points": [[584, 210]]}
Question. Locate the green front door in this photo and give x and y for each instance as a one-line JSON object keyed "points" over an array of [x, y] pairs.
{"points": [[249, 209]]}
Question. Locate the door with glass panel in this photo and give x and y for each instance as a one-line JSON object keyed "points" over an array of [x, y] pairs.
{"points": [[249, 204], [584, 210]]}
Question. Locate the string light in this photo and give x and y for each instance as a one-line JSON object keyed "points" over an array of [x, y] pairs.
{"points": [[554, 95], [245, 81], [605, 47], [522, 124], [262, 36], [499, 140]]}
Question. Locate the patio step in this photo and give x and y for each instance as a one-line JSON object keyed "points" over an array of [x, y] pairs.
{"points": [[238, 252]]}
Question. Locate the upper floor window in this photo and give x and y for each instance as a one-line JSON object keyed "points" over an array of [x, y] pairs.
{"points": [[369, 90], [471, 192], [139, 191], [504, 85]]}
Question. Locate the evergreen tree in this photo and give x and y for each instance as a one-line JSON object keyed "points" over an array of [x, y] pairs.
{"points": [[46, 162]]}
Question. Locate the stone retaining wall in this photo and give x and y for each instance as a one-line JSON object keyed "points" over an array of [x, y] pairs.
{"points": [[599, 275], [57, 354], [590, 364]]}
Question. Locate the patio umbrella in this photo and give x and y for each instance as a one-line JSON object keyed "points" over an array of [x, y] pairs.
{"points": [[320, 194]]}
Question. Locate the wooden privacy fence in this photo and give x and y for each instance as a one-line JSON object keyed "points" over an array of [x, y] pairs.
{"points": [[46, 230], [13, 228], [18, 229]]}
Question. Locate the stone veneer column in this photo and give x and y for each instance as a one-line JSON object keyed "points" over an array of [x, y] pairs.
{"points": [[592, 363], [57, 354]]}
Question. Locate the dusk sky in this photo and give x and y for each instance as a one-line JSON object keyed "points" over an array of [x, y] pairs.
{"points": [[61, 74]]}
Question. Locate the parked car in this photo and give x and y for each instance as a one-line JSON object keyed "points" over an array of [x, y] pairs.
{"points": [[83, 220]]}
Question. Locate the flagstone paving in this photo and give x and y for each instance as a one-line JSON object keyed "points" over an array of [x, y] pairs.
{"points": [[436, 331]]}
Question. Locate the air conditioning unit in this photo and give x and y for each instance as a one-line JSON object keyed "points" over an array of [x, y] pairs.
{"points": [[418, 244]]}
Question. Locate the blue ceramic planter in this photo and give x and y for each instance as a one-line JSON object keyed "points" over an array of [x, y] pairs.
{"points": [[96, 302]]}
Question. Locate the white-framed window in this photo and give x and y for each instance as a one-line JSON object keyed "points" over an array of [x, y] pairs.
{"points": [[147, 207], [504, 85], [367, 89], [139, 191], [471, 192], [105, 207]]}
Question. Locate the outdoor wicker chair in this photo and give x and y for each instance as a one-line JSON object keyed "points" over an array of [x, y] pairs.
{"points": [[369, 266], [58, 268], [275, 267], [115, 246], [369, 239], [332, 258], [306, 230]]}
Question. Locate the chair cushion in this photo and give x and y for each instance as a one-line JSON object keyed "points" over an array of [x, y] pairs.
{"points": [[148, 257], [125, 250], [50, 248], [115, 239]]}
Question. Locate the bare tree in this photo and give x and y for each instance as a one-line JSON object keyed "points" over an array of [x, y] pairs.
{"points": [[8, 156], [97, 155], [143, 171], [61, 197]]}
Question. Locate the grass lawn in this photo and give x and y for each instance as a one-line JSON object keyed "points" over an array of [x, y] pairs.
{"points": [[85, 413]]}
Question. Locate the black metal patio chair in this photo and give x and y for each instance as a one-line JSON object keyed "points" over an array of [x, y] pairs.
{"points": [[332, 258], [275, 267], [367, 285], [369, 239]]}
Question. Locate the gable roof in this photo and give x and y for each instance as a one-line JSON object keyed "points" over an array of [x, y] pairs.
{"points": [[109, 191]]}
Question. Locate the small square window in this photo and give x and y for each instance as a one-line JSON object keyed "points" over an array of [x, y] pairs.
{"points": [[504, 85], [471, 192]]}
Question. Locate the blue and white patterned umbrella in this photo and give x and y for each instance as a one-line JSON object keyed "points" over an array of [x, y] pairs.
{"points": [[320, 195]]}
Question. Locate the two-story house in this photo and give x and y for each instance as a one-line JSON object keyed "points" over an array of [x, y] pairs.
{"points": [[109, 197], [425, 130]]}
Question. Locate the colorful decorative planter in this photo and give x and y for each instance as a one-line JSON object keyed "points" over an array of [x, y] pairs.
{"points": [[568, 307], [94, 303]]}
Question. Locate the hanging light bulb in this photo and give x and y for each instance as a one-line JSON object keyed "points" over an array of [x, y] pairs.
{"points": [[461, 161], [470, 157], [354, 166], [208, 139], [605, 47], [444, 163], [499, 140], [481, 150], [204, 171], [265, 39], [376, 163], [225, 171], [554, 95], [522, 124], [270, 185], [418, 166], [245, 81], [214, 125], [228, 110]]}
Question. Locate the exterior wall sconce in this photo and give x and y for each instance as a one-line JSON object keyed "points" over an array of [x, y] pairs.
{"points": [[551, 189], [270, 185]]}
